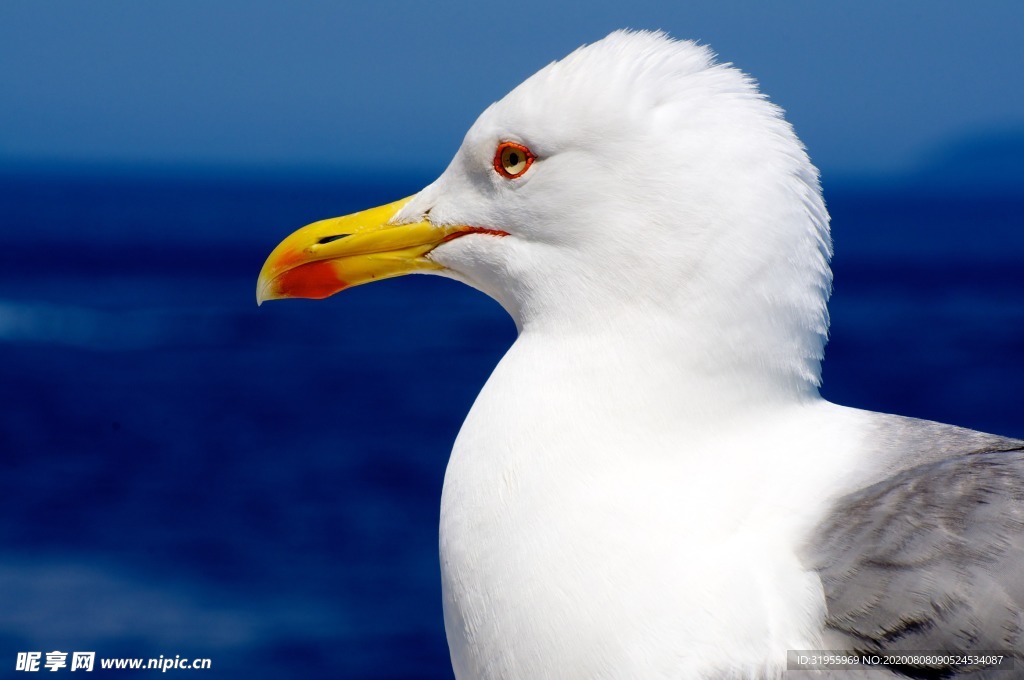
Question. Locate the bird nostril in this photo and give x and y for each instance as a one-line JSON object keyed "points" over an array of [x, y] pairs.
{"points": [[329, 239]]}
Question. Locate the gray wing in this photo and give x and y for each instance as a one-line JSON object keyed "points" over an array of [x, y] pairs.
{"points": [[930, 559]]}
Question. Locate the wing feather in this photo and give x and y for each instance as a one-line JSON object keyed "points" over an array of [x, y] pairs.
{"points": [[930, 559]]}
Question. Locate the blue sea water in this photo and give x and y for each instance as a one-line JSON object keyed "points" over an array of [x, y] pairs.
{"points": [[185, 473]]}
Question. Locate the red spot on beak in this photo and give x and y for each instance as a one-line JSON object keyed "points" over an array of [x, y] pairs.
{"points": [[315, 280]]}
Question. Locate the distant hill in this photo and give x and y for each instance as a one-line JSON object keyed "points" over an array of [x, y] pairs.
{"points": [[992, 160]]}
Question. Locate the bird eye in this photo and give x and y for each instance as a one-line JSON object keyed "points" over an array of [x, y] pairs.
{"points": [[511, 160]]}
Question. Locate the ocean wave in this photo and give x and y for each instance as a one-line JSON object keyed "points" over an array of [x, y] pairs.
{"points": [[83, 327]]}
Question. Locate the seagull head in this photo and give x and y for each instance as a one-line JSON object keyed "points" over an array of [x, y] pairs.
{"points": [[638, 184]]}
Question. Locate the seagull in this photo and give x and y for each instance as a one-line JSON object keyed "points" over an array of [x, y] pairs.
{"points": [[649, 484]]}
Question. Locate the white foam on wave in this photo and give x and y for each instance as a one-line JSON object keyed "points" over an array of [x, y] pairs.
{"points": [[89, 328], [52, 602]]}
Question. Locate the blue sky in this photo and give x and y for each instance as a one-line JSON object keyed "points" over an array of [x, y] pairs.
{"points": [[870, 86]]}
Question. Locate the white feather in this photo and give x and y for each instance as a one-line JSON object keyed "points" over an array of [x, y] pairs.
{"points": [[627, 496]]}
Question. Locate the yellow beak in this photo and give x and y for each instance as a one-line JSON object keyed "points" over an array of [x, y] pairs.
{"points": [[329, 256]]}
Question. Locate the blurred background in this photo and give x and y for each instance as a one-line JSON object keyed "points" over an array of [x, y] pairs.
{"points": [[184, 473]]}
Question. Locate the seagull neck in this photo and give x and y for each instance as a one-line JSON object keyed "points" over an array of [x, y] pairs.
{"points": [[666, 368]]}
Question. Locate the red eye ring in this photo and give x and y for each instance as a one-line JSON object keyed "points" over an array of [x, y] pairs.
{"points": [[511, 160]]}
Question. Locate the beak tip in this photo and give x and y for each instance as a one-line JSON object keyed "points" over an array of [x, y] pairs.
{"points": [[326, 257], [262, 291]]}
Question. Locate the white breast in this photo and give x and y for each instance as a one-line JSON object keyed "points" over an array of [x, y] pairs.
{"points": [[589, 529]]}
